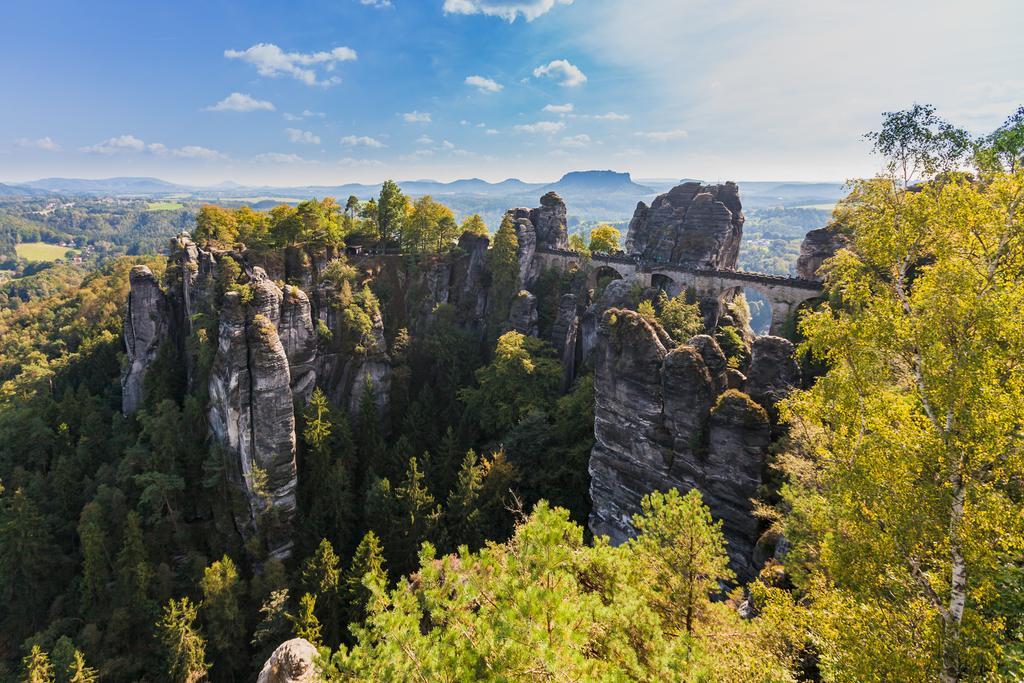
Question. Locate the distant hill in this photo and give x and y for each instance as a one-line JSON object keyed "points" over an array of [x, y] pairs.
{"points": [[19, 191], [122, 186], [605, 182]]}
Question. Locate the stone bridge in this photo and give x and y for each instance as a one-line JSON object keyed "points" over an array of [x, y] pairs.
{"points": [[784, 294]]}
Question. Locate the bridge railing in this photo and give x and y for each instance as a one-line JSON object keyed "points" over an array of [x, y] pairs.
{"points": [[649, 266]]}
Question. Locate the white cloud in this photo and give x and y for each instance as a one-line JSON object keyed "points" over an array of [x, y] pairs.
{"points": [[418, 155], [565, 72], [424, 140], [508, 10], [491, 131], [581, 140], [197, 152], [549, 127], [361, 141], [484, 85], [46, 144], [129, 144], [662, 135], [306, 114], [304, 137], [376, 3], [447, 146], [558, 108], [610, 116], [237, 101], [350, 161], [122, 143], [270, 60], [278, 158], [416, 117]]}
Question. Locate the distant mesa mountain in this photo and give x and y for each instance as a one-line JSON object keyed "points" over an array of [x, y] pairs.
{"points": [[607, 182]]}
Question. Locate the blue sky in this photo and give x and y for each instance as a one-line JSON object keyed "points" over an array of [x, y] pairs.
{"points": [[332, 91]]}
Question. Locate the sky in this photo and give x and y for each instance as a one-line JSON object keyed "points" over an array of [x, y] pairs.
{"points": [[334, 91]]}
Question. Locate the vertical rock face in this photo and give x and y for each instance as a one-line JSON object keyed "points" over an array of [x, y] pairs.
{"points": [[665, 419], [543, 227], [818, 245], [522, 315], [251, 412], [299, 340], [773, 371], [146, 328], [692, 224]]}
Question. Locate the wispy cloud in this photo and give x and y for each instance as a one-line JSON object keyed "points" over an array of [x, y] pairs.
{"points": [[662, 135], [306, 114], [548, 127], [376, 3], [416, 117], [483, 84], [581, 140], [509, 10], [237, 101], [270, 60], [424, 140], [303, 137], [46, 144], [278, 158], [567, 74], [559, 108], [129, 144], [361, 141], [610, 116]]}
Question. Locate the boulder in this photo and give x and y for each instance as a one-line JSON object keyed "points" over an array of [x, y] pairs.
{"points": [[146, 327], [819, 245], [692, 224], [294, 661]]}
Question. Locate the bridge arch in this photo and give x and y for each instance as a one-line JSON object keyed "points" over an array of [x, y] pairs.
{"points": [[602, 273]]}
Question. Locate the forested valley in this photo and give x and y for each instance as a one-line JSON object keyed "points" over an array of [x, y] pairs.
{"points": [[437, 524]]}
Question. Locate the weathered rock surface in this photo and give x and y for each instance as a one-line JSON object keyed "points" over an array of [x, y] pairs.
{"points": [[691, 224], [818, 245], [146, 328], [299, 340], [773, 371], [522, 315], [664, 419], [543, 227], [251, 413], [294, 661]]}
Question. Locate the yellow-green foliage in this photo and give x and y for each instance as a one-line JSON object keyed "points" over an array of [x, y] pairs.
{"points": [[547, 606], [604, 239]]}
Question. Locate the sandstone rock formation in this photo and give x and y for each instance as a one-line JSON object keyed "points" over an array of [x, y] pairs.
{"points": [[548, 221], [522, 315], [818, 245], [294, 661], [146, 328], [665, 419], [773, 371], [691, 224]]}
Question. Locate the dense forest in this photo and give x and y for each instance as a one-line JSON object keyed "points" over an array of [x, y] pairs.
{"points": [[447, 538]]}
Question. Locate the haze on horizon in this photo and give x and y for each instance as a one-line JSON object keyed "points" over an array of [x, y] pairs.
{"points": [[337, 91]]}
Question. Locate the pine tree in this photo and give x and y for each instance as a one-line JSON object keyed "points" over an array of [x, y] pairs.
{"points": [[304, 621], [95, 564], [368, 559], [183, 642], [321, 576], [38, 668], [222, 612], [463, 512], [326, 487], [503, 259], [78, 672]]}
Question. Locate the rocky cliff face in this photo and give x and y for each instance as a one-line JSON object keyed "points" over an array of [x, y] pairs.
{"points": [[818, 245], [692, 224], [543, 227], [146, 328], [664, 418]]}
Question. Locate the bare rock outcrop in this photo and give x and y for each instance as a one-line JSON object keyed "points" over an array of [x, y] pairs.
{"points": [[146, 327], [543, 227], [251, 414], [773, 371], [664, 419], [818, 246], [294, 661], [522, 315], [298, 337], [691, 224]]}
